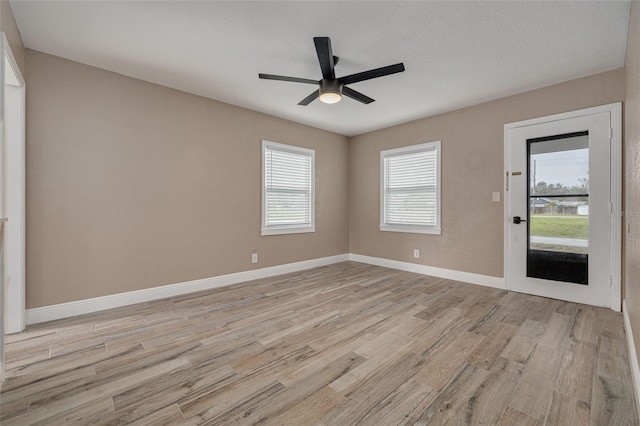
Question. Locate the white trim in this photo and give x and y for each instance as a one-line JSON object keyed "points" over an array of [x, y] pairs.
{"points": [[633, 355], [288, 229], [96, 304], [467, 277], [14, 120], [615, 109], [79, 307], [12, 284], [18, 80], [616, 206], [507, 209], [564, 115], [412, 228]]}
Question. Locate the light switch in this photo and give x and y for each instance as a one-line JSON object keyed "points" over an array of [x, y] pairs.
{"points": [[496, 196]]}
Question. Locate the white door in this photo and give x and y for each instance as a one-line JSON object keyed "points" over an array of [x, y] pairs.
{"points": [[560, 194], [3, 214]]}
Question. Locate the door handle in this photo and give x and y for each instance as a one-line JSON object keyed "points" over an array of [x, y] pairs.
{"points": [[517, 220]]}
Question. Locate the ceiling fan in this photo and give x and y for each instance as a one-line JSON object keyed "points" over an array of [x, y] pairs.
{"points": [[331, 88]]}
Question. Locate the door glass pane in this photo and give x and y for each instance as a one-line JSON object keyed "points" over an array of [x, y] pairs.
{"points": [[558, 195]]}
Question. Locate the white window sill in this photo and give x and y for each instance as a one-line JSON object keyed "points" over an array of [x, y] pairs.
{"points": [[411, 229], [288, 230]]}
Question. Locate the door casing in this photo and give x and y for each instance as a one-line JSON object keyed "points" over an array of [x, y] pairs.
{"points": [[12, 281], [615, 111], [14, 133]]}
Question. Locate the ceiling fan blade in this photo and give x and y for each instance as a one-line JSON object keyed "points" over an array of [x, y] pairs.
{"points": [[285, 78], [306, 101], [367, 75], [353, 94], [325, 57]]}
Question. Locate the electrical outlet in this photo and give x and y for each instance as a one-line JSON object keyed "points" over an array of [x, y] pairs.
{"points": [[496, 196], [416, 253], [254, 257]]}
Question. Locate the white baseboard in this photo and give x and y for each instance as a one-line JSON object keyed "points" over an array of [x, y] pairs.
{"points": [[79, 307], [433, 271], [96, 304], [633, 355]]}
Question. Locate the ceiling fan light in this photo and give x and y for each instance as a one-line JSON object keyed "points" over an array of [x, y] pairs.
{"points": [[330, 97]]}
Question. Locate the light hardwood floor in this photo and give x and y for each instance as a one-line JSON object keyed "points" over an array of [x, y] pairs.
{"points": [[338, 345]]}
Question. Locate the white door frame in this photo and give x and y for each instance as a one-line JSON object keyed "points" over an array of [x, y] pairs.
{"points": [[14, 119], [12, 283], [615, 110]]}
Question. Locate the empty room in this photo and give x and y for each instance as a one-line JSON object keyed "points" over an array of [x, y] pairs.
{"points": [[322, 213]]}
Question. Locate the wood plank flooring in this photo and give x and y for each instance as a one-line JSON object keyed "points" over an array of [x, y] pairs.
{"points": [[340, 345]]}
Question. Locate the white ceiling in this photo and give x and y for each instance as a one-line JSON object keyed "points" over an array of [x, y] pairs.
{"points": [[456, 54]]}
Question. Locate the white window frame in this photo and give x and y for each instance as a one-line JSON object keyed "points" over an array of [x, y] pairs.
{"points": [[292, 228], [411, 228]]}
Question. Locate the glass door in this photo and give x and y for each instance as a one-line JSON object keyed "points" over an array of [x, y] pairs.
{"points": [[559, 209], [558, 196]]}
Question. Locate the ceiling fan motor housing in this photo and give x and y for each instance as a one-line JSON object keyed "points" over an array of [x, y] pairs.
{"points": [[330, 86]]}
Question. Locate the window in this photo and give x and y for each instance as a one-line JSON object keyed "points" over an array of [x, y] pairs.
{"points": [[410, 189], [288, 189]]}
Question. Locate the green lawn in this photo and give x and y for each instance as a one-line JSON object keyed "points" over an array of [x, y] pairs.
{"points": [[560, 226]]}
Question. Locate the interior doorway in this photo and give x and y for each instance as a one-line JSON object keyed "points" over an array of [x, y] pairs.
{"points": [[12, 197], [562, 204]]}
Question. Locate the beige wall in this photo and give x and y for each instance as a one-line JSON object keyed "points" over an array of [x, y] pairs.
{"points": [[632, 172], [9, 27], [472, 168], [131, 185], [128, 182]]}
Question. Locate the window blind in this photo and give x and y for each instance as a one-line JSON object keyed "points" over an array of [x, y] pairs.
{"points": [[288, 188], [411, 187]]}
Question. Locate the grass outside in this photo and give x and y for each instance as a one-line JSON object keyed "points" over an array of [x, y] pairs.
{"points": [[560, 226]]}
